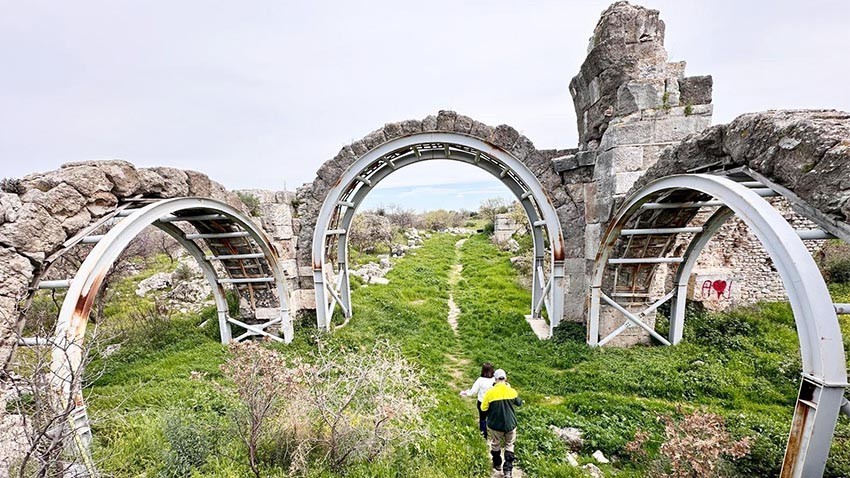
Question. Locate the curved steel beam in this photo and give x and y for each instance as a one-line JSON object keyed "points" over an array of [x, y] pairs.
{"points": [[821, 346], [817, 324], [683, 273], [510, 170], [209, 274], [78, 302], [510, 182]]}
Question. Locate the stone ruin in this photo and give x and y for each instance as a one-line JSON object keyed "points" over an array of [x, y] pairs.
{"points": [[638, 116]]}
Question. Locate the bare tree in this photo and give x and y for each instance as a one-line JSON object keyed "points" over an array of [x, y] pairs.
{"points": [[518, 215], [335, 407], [369, 231], [491, 207], [47, 398], [400, 217], [261, 386], [442, 219]]}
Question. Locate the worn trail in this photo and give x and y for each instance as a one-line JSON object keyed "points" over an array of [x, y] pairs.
{"points": [[460, 364]]}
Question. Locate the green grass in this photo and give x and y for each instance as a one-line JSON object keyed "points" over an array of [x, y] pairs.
{"points": [[743, 365]]}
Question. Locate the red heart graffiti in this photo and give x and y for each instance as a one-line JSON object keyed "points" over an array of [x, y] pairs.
{"points": [[719, 286]]}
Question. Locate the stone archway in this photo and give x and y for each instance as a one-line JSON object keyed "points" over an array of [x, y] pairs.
{"points": [[663, 210], [343, 182], [44, 214]]}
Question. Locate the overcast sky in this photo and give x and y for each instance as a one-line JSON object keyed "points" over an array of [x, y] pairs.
{"points": [[258, 94]]}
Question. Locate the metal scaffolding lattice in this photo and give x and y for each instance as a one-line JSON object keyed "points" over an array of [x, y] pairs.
{"points": [[330, 273], [246, 259], [692, 207]]}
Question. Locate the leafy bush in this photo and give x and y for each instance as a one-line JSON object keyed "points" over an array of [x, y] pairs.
{"points": [[191, 442], [839, 271], [489, 228], [250, 201], [722, 330], [569, 332]]}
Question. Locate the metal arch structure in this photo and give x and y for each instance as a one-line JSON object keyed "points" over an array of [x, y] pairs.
{"points": [[246, 255], [824, 376], [338, 209]]}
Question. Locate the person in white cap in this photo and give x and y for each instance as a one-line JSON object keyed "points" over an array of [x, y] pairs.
{"points": [[499, 403], [479, 388]]}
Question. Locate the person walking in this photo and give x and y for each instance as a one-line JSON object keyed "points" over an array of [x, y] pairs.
{"points": [[479, 388], [499, 403]]}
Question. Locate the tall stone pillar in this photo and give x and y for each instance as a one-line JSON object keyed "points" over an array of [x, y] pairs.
{"points": [[630, 104]]}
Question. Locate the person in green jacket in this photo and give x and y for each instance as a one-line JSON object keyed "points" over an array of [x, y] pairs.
{"points": [[499, 403]]}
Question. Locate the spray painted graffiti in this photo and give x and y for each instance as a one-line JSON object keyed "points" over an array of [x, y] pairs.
{"points": [[717, 289]]}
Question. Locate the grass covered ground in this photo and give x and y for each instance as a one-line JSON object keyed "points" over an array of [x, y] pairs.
{"points": [[742, 365]]}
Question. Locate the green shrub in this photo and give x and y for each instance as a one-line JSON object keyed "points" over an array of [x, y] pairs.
{"points": [[250, 201], [190, 440], [569, 332], [489, 228], [839, 271]]}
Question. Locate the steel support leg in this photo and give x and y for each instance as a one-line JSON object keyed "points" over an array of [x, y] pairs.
{"points": [[593, 320], [677, 314], [345, 290], [322, 320], [224, 327], [556, 292], [815, 416], [536, 287]]}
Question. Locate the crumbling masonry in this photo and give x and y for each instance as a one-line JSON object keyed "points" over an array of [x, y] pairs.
{"points": [[631, 105]]}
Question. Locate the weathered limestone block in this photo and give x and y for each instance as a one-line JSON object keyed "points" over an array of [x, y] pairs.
{"points": [[592, 239], [626, 158], [10, 205], [165, 182], [76, 222], [633, 96], [199, 184], [87, 180], [15, 275], [61, 202], [695, 90], [674, 128], [622, 134], [34, 232], [121, 174], [101, 203], [623, 181]]}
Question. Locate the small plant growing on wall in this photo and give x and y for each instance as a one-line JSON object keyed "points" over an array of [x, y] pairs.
{"points": [[251, 202]]}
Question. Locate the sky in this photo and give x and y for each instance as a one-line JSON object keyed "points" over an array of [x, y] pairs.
{"points": [[258, 94]]}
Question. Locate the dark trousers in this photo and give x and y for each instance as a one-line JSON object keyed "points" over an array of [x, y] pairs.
{"points": [[482, 421]]}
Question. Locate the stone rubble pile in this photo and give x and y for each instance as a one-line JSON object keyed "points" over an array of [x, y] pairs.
{"points": [[185, 288], [413, 237], [374, 272]]}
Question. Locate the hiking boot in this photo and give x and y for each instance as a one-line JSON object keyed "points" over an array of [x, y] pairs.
{"points": [[508, 469], [497, 460]]}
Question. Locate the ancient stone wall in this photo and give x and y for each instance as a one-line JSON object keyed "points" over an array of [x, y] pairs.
{"points": [[735, 270], [40, 211], [311, 195], [630, 104], [634, 108]]}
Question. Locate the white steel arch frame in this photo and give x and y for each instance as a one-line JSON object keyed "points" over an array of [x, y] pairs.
{"points": [[83, 288], [342, 200], [824, 372]]}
